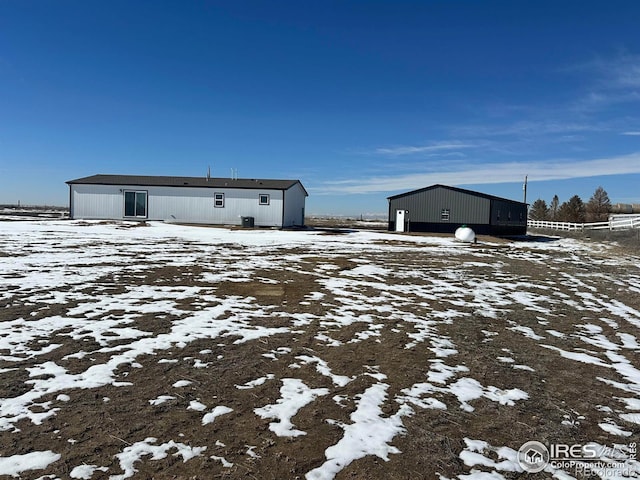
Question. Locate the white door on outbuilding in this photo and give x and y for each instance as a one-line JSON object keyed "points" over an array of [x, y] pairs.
{"points": [[401, 217]]}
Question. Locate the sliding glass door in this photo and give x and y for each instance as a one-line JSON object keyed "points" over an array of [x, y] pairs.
{"points": [[135, 204]]}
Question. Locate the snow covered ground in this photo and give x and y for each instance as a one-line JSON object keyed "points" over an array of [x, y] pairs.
{"points": [[133, 351]]}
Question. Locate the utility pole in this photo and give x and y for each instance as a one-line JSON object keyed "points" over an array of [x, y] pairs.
{"points": [[524, 187]]}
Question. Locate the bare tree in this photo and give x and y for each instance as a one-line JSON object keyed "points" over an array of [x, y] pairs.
{"points": [[598, 206]]}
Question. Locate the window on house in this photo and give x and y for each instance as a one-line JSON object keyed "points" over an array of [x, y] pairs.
{"points": [[218, 200], [498, 215], [509, 215], [264, 199], [135, 204], [444, 215]]}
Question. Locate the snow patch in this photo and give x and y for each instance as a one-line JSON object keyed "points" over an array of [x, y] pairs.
{"points": [[182, 383], [255, 383], [215, 413], [294, 395], [85, 472], [369, 434], [134, 453], [16, 464], [323, 368], [161, 399], [197, 406]]}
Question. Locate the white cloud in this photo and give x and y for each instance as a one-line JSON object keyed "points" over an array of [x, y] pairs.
{"points": [[410, 150], [632, 134], [529, 128], [616, 71], [604, 99], [487, 174], [615, 81], [625, 71]]}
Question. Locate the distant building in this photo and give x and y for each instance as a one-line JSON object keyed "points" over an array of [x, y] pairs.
{"points": [[617, 217], [215, 201], [440, 208]]}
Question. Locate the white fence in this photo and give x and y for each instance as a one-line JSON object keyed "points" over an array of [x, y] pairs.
{"points": [[618, 224]]}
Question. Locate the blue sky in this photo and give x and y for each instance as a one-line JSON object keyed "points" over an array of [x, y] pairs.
{"points": [[360, 100]]}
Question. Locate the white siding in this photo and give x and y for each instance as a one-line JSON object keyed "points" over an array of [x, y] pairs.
{"points": [[97, 202], [294, 206], [181, 204]]}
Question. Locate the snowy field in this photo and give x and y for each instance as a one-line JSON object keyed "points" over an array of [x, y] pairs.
{"points": [[165, 351]]}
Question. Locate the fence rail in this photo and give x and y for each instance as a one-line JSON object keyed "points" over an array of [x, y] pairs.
{"points": [[619, 224]]}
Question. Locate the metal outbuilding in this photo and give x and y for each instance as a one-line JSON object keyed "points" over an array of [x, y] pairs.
{"points": [[440, 208], [206, 200]]}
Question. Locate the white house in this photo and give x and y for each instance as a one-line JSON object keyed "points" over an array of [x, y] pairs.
{"points": [[215, 201]]}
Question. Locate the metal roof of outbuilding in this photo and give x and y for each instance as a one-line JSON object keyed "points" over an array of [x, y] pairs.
{"points": [[165, 181], [455, 189]]}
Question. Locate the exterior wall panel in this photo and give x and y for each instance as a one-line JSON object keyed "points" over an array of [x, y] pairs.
{"points": [[195, 205], [509, 218], [101, 202], [181, 204], [294, 206], [426, 207], [484, 213]]}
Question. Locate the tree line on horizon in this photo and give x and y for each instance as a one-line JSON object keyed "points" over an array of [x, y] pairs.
{"points": [[574, 210]]}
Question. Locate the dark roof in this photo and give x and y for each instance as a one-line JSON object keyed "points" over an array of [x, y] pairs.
{"points": [[157, 181], [455, 189]]}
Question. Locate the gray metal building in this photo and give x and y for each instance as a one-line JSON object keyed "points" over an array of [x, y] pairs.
{"points": [[215, 201], [440, 208]]}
